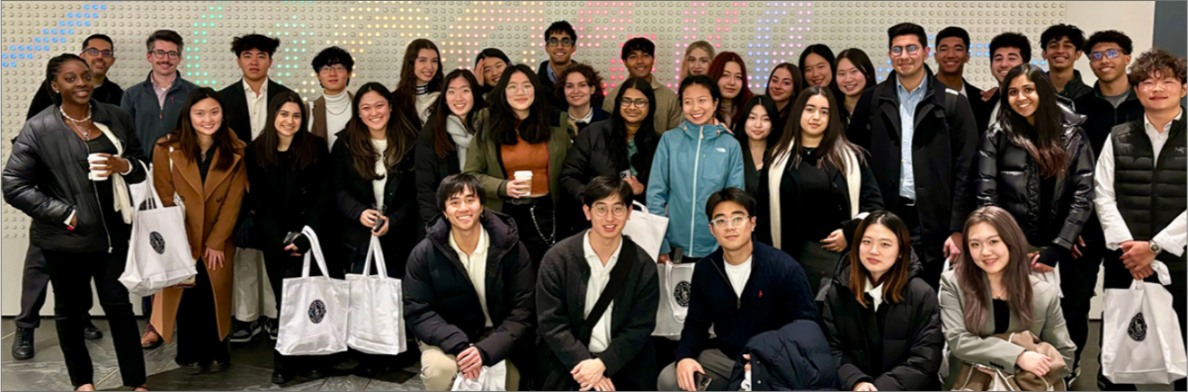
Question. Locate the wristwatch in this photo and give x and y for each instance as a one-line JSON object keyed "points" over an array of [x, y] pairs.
{"points": [[1155, 248]]}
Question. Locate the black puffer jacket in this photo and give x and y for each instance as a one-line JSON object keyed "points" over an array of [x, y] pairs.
{"points": [[590, 157], [1008, 177], [442, 305], [897, 348], [46, 178], [792, 358]]}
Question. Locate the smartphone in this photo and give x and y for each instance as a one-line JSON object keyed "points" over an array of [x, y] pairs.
{"points": [[625, 174], [702, 381], [677, 255], [379, 223], [292, 235]]}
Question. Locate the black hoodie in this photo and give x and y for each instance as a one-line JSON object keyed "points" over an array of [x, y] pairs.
{"points": [[442, 306]]}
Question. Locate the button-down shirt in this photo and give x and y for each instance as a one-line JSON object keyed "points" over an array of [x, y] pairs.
{"points": [[875, 293], [162, 90], [257, 107], [600, 275], [476, 268], [1173, 237], [908, 101]]}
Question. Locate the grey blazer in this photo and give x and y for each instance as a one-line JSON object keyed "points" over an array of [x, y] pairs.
{"points": [[970, 346]]}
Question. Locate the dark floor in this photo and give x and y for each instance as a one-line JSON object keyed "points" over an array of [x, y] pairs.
{"points": [[251, 368]]}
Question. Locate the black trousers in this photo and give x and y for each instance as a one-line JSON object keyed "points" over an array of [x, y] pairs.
{"points": [[1078, 281], [71, 274], [198, 338], [536, 222], [34, 284], [1118, 277], [279, 265], [930, 254]]}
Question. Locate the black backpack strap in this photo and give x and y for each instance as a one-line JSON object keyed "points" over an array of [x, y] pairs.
{"points": [[618, 281]]}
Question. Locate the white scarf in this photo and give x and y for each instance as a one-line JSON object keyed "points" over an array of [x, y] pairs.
{"points": [[461, 137], [776, 173], [119, 187]]}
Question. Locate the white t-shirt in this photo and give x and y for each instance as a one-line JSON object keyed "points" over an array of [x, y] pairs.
{"points": [[738, 275], [377, 186]]}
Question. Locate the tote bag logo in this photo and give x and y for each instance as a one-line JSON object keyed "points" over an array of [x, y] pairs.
{"points": [[317, 311], [1138, 328], [682, 293], [158, 242]]}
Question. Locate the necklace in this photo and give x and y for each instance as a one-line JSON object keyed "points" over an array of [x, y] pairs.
{"points": [[75, 124]]}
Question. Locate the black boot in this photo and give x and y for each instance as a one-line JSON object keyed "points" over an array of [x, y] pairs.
{"points": [[91, 332], [22, 345]]}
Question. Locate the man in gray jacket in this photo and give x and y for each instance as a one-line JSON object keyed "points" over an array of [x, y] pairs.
{"points": [[156, 103]]}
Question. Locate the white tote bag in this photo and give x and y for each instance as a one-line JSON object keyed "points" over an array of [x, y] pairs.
{"points": [[676, 280], [376, 322], [159, 253], [646, 230], [491, 378], [313, 314], [1141, 341]]}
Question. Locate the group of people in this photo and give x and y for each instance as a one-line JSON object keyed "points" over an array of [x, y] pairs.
{"points": [[826, 206]]}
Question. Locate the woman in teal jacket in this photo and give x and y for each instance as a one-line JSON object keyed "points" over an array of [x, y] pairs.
{"points": [[693, 160]]}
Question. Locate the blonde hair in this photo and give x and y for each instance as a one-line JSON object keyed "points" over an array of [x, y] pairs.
{"points": [[703, 45]]}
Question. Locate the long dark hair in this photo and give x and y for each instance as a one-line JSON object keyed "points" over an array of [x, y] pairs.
{"points": [[405, 93], [357, 138], [860, 61], [442, 142], [51, 73], [894, 279], [645, 137], [1016, 276], [303, 147], [826, 53], [1044, 141], [833, 143], [186, 138], [797, 86], [740, 127], [503, 123], [717, 67]]}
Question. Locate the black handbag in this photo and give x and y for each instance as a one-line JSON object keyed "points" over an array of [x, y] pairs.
{"points": [[246, 234]]}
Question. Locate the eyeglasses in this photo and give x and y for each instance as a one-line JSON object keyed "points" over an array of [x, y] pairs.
{"points": [[566, 42], [911, 50], [618, 210], [734, 221], [1108, 53], [332, 68], [172, 54], [639, 103], [95, 52]]}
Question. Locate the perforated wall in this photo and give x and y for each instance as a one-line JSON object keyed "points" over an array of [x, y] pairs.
{"points": [[765, 33]]}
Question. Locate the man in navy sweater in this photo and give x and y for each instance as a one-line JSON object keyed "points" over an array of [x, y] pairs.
{"points": [[742, 289]]}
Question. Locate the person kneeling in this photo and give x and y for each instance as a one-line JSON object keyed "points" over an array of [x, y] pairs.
{"points": [[596, 298], [768, 288], [465, 317]]}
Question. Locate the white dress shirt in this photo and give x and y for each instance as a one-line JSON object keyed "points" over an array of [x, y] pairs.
{"points": [[257, 105], [600, 275], [875, 293], [476, 269], [1173, 237]]}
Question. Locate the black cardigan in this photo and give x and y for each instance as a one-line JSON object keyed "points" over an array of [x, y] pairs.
{"points": [[896, 349], [561, 305], [306, 192], [353, 195]]}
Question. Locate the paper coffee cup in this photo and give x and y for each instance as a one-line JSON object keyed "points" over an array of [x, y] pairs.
{"points": [[96, 162], [524, 175]]}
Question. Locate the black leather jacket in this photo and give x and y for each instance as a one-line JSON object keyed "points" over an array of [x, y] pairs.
{"points": [[46, 178], [1008, 177]]}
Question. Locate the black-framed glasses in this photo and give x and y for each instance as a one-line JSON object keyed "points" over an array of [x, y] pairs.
{"points": [[911, 49], [639, 103], [1108, 53], [565, 42], [173, 54], [618, 210], [734, 221], [107, 53]]}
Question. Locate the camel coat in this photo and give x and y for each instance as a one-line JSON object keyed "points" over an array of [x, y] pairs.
{"points": [[212, 209]]}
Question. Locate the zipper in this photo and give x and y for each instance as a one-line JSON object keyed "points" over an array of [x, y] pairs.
{"points": [[737, 299], [693, 200], [95, 188]]}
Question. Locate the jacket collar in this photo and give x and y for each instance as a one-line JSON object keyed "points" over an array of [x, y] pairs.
{"points": [[177, 82], [707, 132], [188, 168], [888, 90], [501, 231]]}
